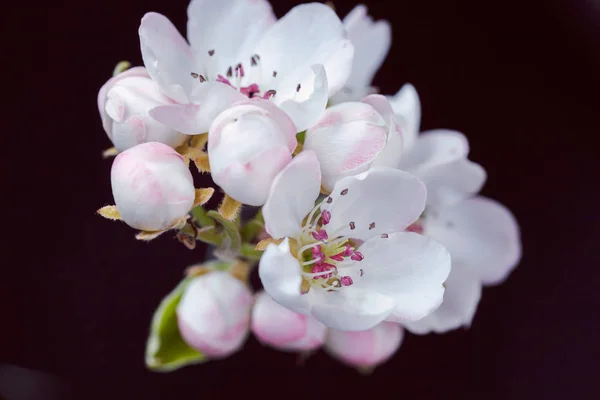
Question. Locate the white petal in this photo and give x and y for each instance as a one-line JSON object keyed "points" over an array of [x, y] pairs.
{"points": [[167, 56], [403, 262], [346, 140], [408, 266], [230, 29], [209, 100], [407, 107], [381, 200], [435, 148], [394, 147], [280, 275], [371, 42], [306, 111], [365, 349], [463, 291], [480, 233], [292, 196], [351, 309], [451, 183], [309, 34]]}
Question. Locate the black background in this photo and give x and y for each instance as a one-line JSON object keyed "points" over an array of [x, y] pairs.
{"points": [[518, 77]]}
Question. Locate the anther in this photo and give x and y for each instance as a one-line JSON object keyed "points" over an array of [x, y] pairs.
{"points": [[344, 192], [357, 256], [320, 235], [352, 226], [298, 88], [253, 61], [239, 70], [269, 93], [229, 72], [329, 200], [211, 52], [346, 281], [195, 75], [274, 74], [384, 236], [361, 272], [325, 217], [372, 225]]}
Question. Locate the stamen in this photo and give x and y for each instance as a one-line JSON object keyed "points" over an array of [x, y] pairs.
{"points": [[384, 236], [222, 79], [239, 71], [274, 74], [372, 225], [346, 281], [344, 192], [298, 88], [253, 61], [250, 91], [195, 75], [211, 52], [352, 226], [329, 200], [321, 234], [361, 272], [325, 217], [269, 93], [357, 256], [229, 72]]}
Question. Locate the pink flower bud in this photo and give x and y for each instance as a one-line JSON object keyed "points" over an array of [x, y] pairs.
{"points": [[152, 186], [214, 314], [248, 145], [283, 329], [124, 102], [365, 349]]}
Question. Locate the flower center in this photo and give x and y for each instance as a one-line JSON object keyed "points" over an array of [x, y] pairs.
{"points": [[236, 77], [325, 258]]}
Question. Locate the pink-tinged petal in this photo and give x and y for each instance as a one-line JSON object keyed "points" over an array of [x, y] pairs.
{"points": [[284, 329], [463, 291], [167, 56], [214, 314], [480, 233], [308, 34], [292, 196], [152, 186], [127, 109], [228, 29], [366, 349], [350, 309], [407, 108], [381, 200], [453, 182], [346, 140], [306, 110], [391, 155], [102, 93], [281, 277], [209, 100], [249, 183], [371, 42]]}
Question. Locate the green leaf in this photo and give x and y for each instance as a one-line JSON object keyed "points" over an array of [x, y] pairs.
{"points": [[165, 348], [200, 215], [253, 227], [248, 251], [231, 231]]}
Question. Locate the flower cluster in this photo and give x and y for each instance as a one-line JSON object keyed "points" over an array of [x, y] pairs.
{"points": [[359, 225]]}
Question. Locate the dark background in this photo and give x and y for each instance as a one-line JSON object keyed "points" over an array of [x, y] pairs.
{"points": [[518, 77]]}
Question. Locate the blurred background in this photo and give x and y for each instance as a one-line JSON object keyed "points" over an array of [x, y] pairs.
{"points": [[518, 77]]}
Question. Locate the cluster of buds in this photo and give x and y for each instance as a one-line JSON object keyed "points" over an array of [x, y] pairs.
{"points": [[360, 226]]}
